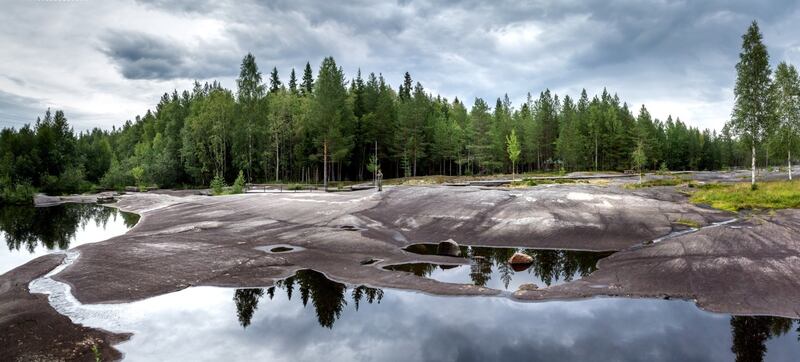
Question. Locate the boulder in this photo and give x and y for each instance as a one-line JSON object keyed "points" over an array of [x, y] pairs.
{"points": [[520, 261], [449, 248], [528, 286]]}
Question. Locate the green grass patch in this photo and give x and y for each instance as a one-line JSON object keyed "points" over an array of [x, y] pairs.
{"points": [[672, 181], [687, 222], [532, 182], [735, 197]]}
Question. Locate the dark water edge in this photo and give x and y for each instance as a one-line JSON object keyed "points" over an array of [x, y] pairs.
{"points": [[29, 232]]}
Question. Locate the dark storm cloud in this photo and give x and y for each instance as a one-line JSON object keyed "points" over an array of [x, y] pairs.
{"points": [[144, 56], [676, 56], [619, 42]]}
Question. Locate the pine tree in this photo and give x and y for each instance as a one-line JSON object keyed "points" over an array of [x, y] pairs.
{"points": [[751, 116], [331, 115]]}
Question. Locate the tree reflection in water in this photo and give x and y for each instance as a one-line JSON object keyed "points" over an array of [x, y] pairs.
{"points": [[26, 227], [548, 265], [327, 296], [750, 335]]}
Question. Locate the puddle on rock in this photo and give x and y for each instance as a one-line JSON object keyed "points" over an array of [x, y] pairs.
{"points": [[30, 232], [279, 248], [308, 317], [489, 266]]}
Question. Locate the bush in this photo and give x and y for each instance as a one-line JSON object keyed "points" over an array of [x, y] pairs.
{"points": [[116, 178], [72, 180], [238, 185], [21, 193], [663, 170], [217, 185]]}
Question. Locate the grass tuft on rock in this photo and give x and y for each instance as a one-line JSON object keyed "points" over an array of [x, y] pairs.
{"points": [[672, 181], [688, 222], [740, 196]]}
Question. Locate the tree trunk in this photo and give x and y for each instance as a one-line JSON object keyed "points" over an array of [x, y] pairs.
{"points": [[595, 152], [277, 159], [513, 175], [753, 165], [790, 164], [325, 165]]}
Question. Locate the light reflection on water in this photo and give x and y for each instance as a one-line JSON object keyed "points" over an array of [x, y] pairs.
{"points": [[310, 318], [29, 232]]}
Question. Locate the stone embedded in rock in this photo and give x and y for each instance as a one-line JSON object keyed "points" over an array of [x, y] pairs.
{"points": [[449, 248], [528, 286]]}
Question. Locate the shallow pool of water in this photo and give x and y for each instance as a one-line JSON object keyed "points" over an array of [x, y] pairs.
{"points": [[29, 232], [488, 266], [310, 318]]}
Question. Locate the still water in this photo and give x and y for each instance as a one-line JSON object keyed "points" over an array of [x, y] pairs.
{"points": [[28, 232], [488, 266], [308, 317]]}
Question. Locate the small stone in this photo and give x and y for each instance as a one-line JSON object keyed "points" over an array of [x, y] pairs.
{"points": [[528, 286]]}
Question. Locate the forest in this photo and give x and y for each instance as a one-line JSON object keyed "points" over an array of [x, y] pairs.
{"points": [[328, 126]]}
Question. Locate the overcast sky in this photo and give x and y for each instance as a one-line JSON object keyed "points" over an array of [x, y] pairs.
{"points": [[103, 62]]}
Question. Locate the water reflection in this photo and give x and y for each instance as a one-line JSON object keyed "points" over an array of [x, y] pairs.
{"points": [[205, 324], [750, 335], [327, 296], [32, 231], [489, 266]]}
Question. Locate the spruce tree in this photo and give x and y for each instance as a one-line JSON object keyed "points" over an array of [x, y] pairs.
{"points": [[274, 81], [249, 95], [751, 116], [405, 88], [293, 82], [307, 88]]}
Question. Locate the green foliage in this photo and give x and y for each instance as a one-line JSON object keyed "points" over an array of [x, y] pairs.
{"points": [[16, 193], [688, 222], [138, 175], [270, 132], [96, 352], [753, 111], [768, 195], [512, 146], [537, 182], [217, 185], [639, 158], [671, 181], [238, 184]]}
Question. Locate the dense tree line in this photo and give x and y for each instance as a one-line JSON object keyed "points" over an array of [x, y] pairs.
{"points": [[328, 127]]}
